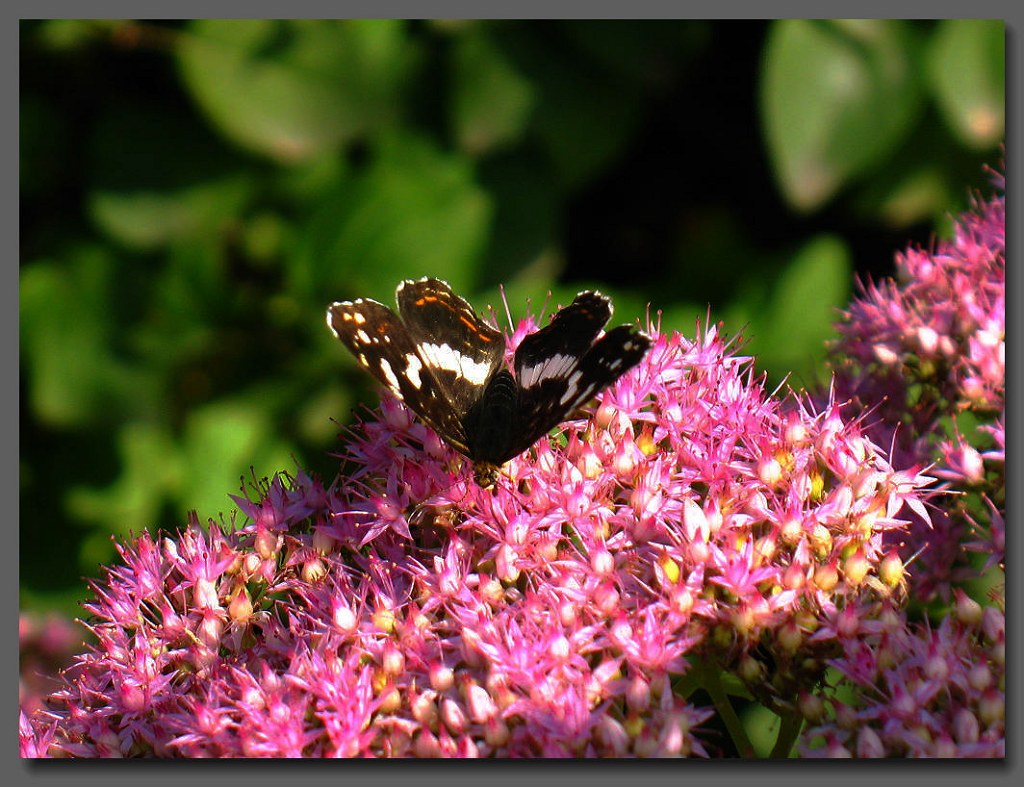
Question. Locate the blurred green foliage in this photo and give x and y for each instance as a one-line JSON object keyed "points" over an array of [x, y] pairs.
{"points": [[193, 194]]}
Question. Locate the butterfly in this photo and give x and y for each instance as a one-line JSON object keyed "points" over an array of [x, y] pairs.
{"points": [[448, 365]]}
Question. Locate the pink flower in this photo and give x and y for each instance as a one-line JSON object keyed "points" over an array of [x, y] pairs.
{"points": [[923, 692], [918, 353], [406, 611]]}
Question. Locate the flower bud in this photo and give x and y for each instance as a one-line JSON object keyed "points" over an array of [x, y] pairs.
{"points": [[560, 648], [204, 594], [505, 564], [426, 745], [390, 699], [424, 709], [623, 462], [855, 568], [965, 727], [602, 562], [267, 543], [891, 570], [606, 597], [826, 577], [968, 611], [869, 745], [811, 707], [492, 591], [323, 542], [453, 716], [496, 732], [612, 736], [944, 748], [790, 637], [638, 694], [992, 707], [769, 470], [384, 620], [750, 670], [479, 703], [979, 677], [344, 617], [442, 678], [590, 464], [392, 659], [240, 606], [792, 531]]}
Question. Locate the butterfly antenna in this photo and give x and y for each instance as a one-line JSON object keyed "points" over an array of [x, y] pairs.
{"points": [[508, 310]]}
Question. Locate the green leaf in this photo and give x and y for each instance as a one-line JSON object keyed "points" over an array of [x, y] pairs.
{"points": [[414, 211], [222, 441], [492, 100], [921, 194], [789, 334], [68, 35], [967, 71], [150, 470], [66, 319], [159, 177], [837, 97], [291, 89], [145, 221]]}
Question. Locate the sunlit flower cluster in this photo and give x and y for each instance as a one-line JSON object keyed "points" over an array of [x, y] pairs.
{"points": [[926, 355], [690, 529], [920, 353]]}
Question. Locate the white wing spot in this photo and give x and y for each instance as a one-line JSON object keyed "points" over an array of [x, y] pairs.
{"points": [[571, 389], [442, 356], [361, 336], [412, 371], [389, 374], [555, 366]]}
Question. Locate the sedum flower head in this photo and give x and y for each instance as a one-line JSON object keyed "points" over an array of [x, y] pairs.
{"points": [[925, 354], [922, 691], [689, 519]]}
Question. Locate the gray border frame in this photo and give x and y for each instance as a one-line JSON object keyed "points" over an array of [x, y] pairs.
{"points": [[768, 774]]}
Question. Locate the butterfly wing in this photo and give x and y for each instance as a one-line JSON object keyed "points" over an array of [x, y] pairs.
{"points": [[383, 346], [460, 349], [560, 367]]}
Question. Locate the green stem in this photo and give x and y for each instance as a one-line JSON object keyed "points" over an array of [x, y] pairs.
{"points": [[792, 723], [712, 684]]}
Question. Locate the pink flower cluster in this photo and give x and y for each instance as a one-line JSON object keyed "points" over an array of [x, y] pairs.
{"points": [[691, 525], [923, 352], [921, 692], [926, 354]]}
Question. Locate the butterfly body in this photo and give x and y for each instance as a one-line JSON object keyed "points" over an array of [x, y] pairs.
{"points": [[448, 365]]}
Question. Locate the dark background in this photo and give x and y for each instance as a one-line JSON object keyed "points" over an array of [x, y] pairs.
{"points": [[193, 194]]}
